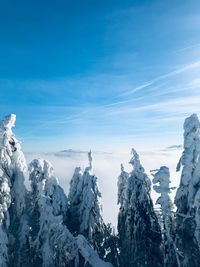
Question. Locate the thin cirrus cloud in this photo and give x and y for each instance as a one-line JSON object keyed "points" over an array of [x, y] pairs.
{"points": [[155, 106], [183, 69], [189, 47]]}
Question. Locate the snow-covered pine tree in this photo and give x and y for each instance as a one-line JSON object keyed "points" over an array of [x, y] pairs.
{"points": [[84, 203], [52, 245], [122, 200], [139, 230], [84, 215], [5, 201], [75, 195], [122, 187], [162, 180], [13, 167], [90, 218], [51, 242], [187, 194]]}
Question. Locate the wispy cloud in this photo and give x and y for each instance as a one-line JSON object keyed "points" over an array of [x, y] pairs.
{"points": [[166, 101], [177, 71], [189, 47], [186, 104]]}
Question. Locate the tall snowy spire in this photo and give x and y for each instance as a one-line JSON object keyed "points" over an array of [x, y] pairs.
{"points": [[122, 167], [90, 159], [135, 161], [190, 161], [122, 186], [5, 202], [13, 167], [85, 214], [139, 231], [12, 161], [187, 193], [161, 183]]}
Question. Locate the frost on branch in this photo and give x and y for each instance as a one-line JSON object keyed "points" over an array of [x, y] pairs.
{"points": [[89, 254]]}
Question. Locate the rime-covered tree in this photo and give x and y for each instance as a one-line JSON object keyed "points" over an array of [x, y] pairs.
{"points": [[84, 215], [162, 180], [91, 224], [52, 244], [75, 198], [122, 200], [13, 167], [187, 195], [139, 231], [122, 187], [5, 200], [84, 203]]}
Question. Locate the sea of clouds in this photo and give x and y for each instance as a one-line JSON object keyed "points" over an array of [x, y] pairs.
{"points": [[106, 166]]}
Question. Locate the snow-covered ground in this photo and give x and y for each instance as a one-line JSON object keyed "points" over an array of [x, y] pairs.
{"points": [[106, 166]]}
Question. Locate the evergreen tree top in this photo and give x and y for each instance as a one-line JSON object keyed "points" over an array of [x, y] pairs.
{"points": [[90, 158], [135, 162], [161, 177]]}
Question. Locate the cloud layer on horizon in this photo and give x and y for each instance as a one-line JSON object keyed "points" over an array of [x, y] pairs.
{"points": [[106, 166]]}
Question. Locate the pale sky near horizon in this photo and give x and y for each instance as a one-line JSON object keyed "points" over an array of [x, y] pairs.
{"points": [[103, 75]]}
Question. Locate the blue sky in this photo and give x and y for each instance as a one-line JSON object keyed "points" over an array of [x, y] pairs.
{"points": [[99, 74]]}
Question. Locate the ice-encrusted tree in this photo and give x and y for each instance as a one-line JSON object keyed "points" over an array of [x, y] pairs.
{"points": [[162, 186], [75, 198], [90, 218], [122, 187], [84, 215], [52, 245], [51, 242], [139, 230], [84, 203], [5, 201], [122, 200], [13, 167], [187, 195]]}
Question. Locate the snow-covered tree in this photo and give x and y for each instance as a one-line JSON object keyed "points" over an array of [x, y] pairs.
{"points": [[122, 186], [51, 242], [197, 216], [75, 195], [84, 215], [13, 167], [162, 180], [186, 200], [52, 245], [139, 230], [84, 202], [90, 218], [5, 201]]}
